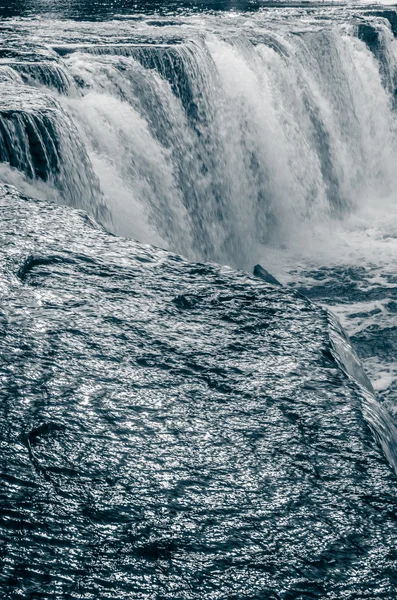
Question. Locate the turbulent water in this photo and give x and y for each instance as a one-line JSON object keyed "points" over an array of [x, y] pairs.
{"points": [[176, 429]]}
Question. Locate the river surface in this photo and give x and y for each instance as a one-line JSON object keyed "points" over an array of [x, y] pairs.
{"points": [[173, 428]]}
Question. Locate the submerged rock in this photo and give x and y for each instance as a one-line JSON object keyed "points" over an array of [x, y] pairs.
{"points": [[208, 442]]}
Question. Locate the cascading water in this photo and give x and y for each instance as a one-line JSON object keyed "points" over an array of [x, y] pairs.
{"points": [[38, 139], [232, 137], [218, 135], [238, 139]]}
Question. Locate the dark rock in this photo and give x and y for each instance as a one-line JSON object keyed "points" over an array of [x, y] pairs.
{"points": [[265, 275]]}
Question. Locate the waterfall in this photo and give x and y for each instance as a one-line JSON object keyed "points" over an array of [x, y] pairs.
{"points": [[220, 135], [38, 139]]}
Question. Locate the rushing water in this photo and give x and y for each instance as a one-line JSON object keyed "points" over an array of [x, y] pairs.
{"points": [[180, 430], [239, 137]]}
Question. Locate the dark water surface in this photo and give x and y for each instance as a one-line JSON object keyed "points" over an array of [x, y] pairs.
{"points": [[177, 430], [104, 9]]}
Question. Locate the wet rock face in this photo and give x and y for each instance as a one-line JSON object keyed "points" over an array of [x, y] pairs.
{"points": [[175, 430], [260, 272]]}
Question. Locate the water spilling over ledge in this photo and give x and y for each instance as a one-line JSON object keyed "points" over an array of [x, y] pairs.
{"points": [[176, 429], [213, 134], [38, 139]]}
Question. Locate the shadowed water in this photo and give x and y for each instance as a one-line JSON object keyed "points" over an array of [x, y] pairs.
{"points": [[177, 430]]}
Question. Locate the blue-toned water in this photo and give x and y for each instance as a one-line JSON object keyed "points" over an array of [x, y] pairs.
{"points": [[173, 428]]}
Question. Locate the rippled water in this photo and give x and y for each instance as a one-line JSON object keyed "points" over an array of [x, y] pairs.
{"points": [[106, 9], [177, 430], [173, 428]]}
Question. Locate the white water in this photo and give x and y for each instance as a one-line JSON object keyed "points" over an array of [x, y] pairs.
{"points": [[280, 141], [253, 129]]}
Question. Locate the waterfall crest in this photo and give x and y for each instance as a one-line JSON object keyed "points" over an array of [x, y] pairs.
{"points": [[213, 135]]}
